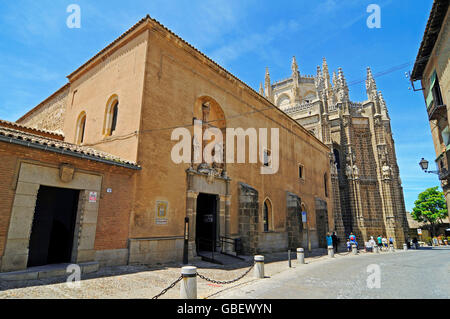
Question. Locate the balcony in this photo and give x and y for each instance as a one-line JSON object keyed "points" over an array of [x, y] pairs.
{"points": [[435, 112], [442, 163]]}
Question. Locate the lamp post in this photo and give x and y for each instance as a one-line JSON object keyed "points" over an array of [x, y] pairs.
{"points": [[186, 241], [442, 173]]}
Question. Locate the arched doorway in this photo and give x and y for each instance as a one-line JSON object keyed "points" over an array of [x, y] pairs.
{"points": [[207, 226]]}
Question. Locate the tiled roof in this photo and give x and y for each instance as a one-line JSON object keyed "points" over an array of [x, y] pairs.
{"points": [[434, 24], [53, 145], [4, 123]]}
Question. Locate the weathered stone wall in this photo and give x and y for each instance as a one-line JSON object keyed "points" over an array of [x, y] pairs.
{"points": [[272, 242], [294, 225], [102, 226], [155, 250], [49, 115], [322, 222], [248, 218]]}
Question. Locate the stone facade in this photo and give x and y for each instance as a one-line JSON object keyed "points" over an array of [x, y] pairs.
{"points": [[161, 82], [49, 115], [432, 68], [365, 182], [99, 228]]}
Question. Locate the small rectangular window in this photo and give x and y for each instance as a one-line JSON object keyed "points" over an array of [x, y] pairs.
{"points": [[267, 158], [300, 171]]}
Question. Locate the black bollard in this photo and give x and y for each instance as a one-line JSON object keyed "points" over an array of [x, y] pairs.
{"points": [[289, 257]]}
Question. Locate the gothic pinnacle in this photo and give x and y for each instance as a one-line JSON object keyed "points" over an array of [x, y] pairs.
{"points": [[370, 82], [294, 65], [267, 78], [334, 79], [325, 73], [341, 78]]}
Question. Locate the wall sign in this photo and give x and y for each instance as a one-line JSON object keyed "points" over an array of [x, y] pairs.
{"points": [[161, 212], [303, 217], [92, 197]]}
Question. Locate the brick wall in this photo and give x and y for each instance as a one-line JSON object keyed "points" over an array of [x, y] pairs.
{"points": [[114, 208]]}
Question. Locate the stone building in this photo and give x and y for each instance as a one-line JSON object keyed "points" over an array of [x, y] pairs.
{"points": [[433, 70], [60, 202], [126, 102], [365, 181]]}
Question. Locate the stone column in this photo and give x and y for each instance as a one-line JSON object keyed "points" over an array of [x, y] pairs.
{"points": [[15, 256], [337, 213], [191, 212]]}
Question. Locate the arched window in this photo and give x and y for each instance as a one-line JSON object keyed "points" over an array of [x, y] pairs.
{"points": [[267, 215], [111, 113], [81, 126], [337, 160], [325, 184]]}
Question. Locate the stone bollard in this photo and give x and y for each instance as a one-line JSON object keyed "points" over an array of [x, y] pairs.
{"points": [[405, 247], [188, 289], [376, 250], [300, 256], [331, 251], [259, 266], [354, 249], [391, 248]]}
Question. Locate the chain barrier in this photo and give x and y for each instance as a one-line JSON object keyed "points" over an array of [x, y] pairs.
{"points": [[168, 288], [226, 282], [342, 254]]}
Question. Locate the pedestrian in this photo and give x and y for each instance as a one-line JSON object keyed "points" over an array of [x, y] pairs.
{"points": [[352, 237], [349, 245], [329, 240], [335, 239], [416, 243], [391, 241], [385, 242], [380, 242], [372, 243]]}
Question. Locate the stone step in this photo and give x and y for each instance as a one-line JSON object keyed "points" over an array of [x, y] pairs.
{"points": [[47, 271]]}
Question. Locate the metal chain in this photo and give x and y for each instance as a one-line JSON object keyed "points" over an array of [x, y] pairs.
{"points": [[168, 288], [226, 282]]}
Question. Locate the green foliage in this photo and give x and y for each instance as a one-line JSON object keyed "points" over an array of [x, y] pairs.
{"points": [[430, 207]]}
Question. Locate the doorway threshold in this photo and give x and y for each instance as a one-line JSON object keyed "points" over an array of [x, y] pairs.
{"points": [[47, 271]]}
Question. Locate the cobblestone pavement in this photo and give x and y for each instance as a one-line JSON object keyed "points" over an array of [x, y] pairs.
{"points": [[145, 282], [423, 274]]}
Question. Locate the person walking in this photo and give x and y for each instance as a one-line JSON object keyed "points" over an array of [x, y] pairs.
{"points": [[380, 242], [329, 240], [335, 242], [385, 242], [391, 241], [372, 243]]}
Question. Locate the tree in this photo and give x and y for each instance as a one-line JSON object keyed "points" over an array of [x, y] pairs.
{"points": [[430, 207]]}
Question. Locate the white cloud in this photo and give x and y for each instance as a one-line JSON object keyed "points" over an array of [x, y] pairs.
{"points": [[258, 43]]}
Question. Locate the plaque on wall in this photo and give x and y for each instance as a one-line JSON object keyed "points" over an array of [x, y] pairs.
{"points": [[208, 218], [161, 212]]}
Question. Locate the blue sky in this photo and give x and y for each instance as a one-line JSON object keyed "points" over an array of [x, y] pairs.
{"points": [[38, 51]]}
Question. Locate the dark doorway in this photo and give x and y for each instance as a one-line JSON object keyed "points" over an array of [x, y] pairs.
{"points": [[53, 227], [206, 222], [322, 222]]}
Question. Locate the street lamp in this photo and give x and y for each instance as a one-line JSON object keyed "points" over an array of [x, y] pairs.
{"points": [[424, 165], [443, 173]]}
